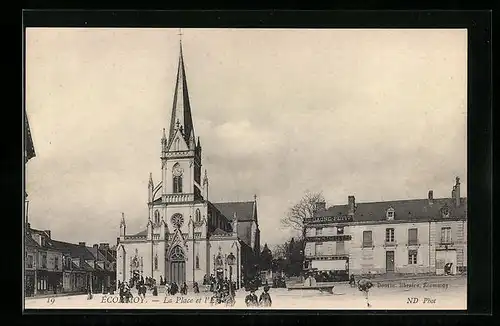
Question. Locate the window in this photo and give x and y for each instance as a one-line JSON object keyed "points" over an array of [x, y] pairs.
{"points": [[389, 235], [412, 237], [446, 235], [340, 248], [56, 263], [412, 257], [157, 217], [198, 215], [29, 261], [340, 230], [177, 184], [156, 262], [390, 214], [367, 239], [197, 262], [318, 247], [319, 231], [446, 212], [44, 260]]}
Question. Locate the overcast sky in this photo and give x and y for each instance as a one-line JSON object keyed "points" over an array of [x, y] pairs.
{"points": [[378, 114]]}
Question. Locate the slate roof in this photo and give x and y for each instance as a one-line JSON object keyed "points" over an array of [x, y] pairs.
{"points": [[74, 250], [218, 231], [143, 233], [243, 210], [30, 242], [413, 209]]}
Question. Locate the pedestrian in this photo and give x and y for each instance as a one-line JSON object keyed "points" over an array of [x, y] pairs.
{"points": [[195, 287], [265, 298], [184, 288], [364, 285], [352, 281], [251, 299]]}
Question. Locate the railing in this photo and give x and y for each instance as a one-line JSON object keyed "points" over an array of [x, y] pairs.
{"points": [[390, 243], [413, 243], [179, 153], [175, 198]]}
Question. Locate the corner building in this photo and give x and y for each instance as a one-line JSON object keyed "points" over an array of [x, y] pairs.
{"points": [[417, 236], [187, 237]]}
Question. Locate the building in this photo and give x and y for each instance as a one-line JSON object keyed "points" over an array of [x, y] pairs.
{"points": [[403, 237], [63, 267], [187, 237], [43, 263]]}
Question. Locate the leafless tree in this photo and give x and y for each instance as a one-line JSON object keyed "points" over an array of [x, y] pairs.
{"points": [[281, 250], [302, 210]]}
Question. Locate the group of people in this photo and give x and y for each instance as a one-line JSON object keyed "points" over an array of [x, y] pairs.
{"points": [[264, 300], [224, 291], [124, 292], [172, 288]]}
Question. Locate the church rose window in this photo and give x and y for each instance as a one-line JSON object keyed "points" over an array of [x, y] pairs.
{"points": [[177, 220]]}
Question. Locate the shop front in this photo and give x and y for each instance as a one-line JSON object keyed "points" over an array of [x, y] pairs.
{"points": [[29, 283]]}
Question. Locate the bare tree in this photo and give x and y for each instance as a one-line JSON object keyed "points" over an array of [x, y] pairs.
{"points": [[302, 210], [281, 250]]}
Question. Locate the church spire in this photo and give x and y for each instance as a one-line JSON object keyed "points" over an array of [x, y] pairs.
{"points": [[181, 110]]}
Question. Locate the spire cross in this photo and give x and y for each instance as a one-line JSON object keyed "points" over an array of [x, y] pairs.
{"points": [[177, 123]]}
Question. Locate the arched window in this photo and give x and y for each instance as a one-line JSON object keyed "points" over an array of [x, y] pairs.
{"points": [[157, 217], [198, 215], [156, 262], [197, 262], [177, 178]]}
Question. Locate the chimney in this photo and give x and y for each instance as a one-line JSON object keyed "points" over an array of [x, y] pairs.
{"points": [[320, 206], [48, 233], [104, 246], [457, 191], [82, 244], [96, 246], [351, 205], [431, 197]]}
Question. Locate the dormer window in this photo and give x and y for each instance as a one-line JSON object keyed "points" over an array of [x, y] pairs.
{"points": [[390, 213], [445, 212]]}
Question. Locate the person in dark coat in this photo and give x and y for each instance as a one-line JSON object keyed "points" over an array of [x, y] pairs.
{"points": [[184, 288], [251, 299], [195, 287], [352, 281], [265, 298], [174, 289], [364, 285]]}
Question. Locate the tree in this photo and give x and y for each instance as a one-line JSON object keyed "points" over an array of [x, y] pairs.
{"points": [[266, 258], [300, 211]]}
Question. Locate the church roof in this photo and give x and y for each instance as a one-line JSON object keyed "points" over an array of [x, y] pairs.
{"points": [[413, 209], [181, 110], [143, 233], [244, 210]]}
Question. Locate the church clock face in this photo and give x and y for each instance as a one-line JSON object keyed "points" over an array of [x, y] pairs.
{"points": [[178, 171], [177, 220]]}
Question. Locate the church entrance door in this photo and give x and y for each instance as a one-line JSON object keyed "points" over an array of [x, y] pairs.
{"points": [[177, 266]]}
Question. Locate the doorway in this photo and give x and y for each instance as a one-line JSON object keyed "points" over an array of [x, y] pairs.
{"points": [[389, 261], [177, 266]]}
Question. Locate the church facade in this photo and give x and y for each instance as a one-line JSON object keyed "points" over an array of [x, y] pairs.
{"points": [[187, 237]]}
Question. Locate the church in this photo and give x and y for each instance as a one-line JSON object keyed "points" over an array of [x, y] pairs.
{"points": [[188, 237]]}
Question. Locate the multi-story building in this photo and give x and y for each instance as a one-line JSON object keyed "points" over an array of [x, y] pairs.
{"points": [[403, 236], [44, 260]]}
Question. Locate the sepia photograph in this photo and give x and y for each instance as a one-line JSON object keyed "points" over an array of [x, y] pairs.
{"points": [[224, 168]]}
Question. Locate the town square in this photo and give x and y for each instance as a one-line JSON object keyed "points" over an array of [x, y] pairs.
{"points": [[245, 169]]}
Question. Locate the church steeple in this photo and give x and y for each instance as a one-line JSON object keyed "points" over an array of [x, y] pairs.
{"points": [[181, 110]]}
